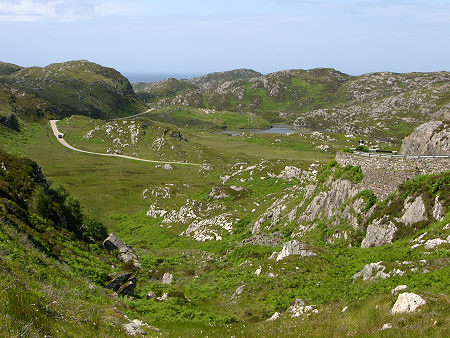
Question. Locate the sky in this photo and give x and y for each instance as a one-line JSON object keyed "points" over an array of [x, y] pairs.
{"points": [[201, 36]]}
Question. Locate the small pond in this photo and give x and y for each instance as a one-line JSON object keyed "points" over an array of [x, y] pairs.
{"points": [[274, 129]]}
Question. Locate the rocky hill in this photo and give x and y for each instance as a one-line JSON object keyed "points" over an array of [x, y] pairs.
{"points": [[76, 87], [8, 68], [384, 105], [432, 138]]}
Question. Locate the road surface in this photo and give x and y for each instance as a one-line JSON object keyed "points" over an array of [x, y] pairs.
{"points": [[385, 155], [67, 145]]}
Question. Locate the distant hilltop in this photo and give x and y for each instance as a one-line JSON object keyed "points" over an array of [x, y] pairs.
{"points": [[74, 87]]}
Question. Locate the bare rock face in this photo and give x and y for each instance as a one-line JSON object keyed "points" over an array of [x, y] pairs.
{"points": [[432, 138], [380, 232], [414, 212], [407, 302]]}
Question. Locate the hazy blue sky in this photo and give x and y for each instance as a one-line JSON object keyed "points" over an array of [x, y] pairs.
{"points": [[199, 36]]}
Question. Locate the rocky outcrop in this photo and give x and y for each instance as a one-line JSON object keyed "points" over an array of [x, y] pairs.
{"points": [[372, 271], [413, 212], [126, 253], [123, 283], [432, 138], [380, 232], [328, 201], [167, 278], [407, 302], [294, 248], [210, 229]]}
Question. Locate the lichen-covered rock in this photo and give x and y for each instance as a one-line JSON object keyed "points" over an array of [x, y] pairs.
{"points": [[438, 209], [399, 288], [380, 232], [431, 138], [327, 202], [407, 302], [294, 248], [290, 172], [112, 242], [414, 212], [372, 271], [167, 278], [133, 329]]}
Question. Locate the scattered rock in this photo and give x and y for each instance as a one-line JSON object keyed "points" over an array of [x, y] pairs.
{"points": [[299, 308], [398, 289], [344, 309], [167, 278], [380, 232], [258, 271], [407, 302]]}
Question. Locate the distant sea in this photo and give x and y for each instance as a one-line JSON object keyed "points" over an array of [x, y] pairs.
{"points": [[153, 77]]}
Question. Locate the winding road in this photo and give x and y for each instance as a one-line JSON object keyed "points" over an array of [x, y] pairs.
{"points": [[67, 145], [385, 155]]}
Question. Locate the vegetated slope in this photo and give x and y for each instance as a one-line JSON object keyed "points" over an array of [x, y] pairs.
{"points": [[52, 264], [78, 87], [8, 68], [387, 105]]}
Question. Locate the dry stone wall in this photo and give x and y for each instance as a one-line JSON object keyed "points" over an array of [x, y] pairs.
{"points": [[383, 175]]}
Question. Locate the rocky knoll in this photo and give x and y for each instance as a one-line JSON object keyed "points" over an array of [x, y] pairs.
{"points": [[77, 87], [432, 138]]}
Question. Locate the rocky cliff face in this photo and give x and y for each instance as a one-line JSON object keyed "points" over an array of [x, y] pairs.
{"points": [[432, 138]]}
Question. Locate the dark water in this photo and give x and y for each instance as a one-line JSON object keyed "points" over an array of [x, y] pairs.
{"points": [[153, 77], [275, 129]]}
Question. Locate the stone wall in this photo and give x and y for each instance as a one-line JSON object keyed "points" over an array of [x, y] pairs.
{"points": [[383, 175]]}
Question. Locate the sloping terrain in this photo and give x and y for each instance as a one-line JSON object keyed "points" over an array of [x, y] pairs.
{"points": [[77, 87]]}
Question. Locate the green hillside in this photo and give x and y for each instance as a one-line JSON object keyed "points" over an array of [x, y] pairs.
{"points": [[78, 87]]}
